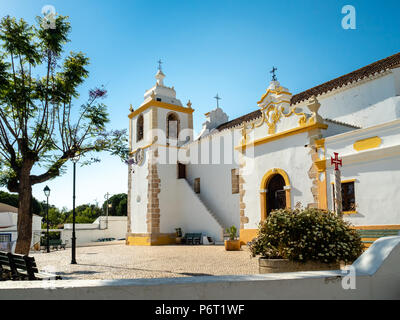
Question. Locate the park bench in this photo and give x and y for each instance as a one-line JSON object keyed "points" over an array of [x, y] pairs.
{"points": [[192, 238], [368, 236], [19, 267], [54, 244]]}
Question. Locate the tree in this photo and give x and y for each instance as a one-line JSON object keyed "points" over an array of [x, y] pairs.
{"points": [[118, 205], [39, 126], [12, 200], [86, 213]]}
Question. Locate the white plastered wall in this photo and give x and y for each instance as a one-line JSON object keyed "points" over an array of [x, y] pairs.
{"points": [[146, 126], [139, 194], [215, 172], [162, 124], [368, 103], [376, 172], [288, 154]]}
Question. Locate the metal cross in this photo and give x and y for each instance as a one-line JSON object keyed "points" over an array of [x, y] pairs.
{"points": [[336, 161], [274, 78], [217, 98], [159, 65]]}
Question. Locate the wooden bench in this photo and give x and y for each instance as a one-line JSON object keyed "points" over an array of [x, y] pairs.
{"points": [[192, 238], [369, 236], [19, 267], [54, 244]]}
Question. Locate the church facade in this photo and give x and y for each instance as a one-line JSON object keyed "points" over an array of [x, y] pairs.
{"points": [[236, 172]]}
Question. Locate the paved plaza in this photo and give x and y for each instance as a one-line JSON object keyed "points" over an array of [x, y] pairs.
{"points": [[131, 262]]}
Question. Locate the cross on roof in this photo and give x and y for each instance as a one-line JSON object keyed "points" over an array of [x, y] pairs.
{"points": [[217, 98], [159, 65], [274, 78]]}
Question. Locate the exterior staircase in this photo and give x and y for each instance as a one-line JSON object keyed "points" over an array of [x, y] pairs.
{"points": [[212, 214]]}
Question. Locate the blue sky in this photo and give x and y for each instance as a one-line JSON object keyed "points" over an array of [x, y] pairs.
{"points": [[224, 46]]}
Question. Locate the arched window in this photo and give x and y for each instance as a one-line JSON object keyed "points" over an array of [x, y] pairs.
{"points": [[172, 126], [139, 128]]}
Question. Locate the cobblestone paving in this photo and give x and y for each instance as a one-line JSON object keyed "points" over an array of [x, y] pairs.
{"points": [[128, 262]]}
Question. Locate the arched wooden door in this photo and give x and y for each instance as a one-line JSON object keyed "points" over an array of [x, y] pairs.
{"points": [[276, 195], [274, 192]]}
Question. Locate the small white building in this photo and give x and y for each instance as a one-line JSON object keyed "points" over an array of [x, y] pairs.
{"points": [[88, 233], [8, 228]]}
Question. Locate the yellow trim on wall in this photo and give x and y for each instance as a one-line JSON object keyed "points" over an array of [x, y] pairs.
{"points": [[321, 168], [274, 92], [138, 241], [165, 105], [349, 212], [321, 165], [346, 181], [283, 134], [247, 235], [263, 195], [381, 227], [144, 147], [151, 240], [369, 143], [320, 143]]}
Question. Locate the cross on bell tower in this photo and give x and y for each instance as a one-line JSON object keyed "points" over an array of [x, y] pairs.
{"points": [[274, 78], [160, 65], [217, 98]]}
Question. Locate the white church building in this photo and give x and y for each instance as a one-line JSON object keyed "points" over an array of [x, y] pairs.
{"points": [[236, 172]]}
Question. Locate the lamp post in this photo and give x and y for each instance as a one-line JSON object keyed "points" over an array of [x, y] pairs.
{"points": [[73, 260], [107, 207], [46, 191]]}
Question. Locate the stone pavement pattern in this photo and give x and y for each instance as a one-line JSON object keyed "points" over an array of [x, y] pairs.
{"points": [[129, 262]]}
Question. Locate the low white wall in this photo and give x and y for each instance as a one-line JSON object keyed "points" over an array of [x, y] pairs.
{"points": [[86, 234], [377, 271]]}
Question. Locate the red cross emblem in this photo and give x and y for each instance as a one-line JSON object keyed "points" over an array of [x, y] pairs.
{"points": [[336, 161]]}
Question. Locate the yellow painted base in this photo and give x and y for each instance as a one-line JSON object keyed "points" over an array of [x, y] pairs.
{"points": [[247, 235], [150, 239]]}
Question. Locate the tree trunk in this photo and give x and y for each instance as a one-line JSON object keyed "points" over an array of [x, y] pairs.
{"points": [[24, 226]]}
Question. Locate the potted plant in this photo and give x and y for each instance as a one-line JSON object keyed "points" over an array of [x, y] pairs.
{"points": [[305, 240], [233, 244]]}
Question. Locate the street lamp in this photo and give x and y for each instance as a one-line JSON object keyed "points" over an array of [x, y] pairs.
{"points": [[46, 191], [73, 260]]}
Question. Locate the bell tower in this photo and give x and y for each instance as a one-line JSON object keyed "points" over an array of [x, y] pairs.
{"points": [[160, 125]]}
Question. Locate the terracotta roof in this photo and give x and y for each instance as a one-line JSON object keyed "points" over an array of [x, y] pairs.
{"points": [[378, 66], [7, 208], [342, 123], [235, 122]]}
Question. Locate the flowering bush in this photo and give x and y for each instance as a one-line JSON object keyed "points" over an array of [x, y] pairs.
{"points": [[307, 235]]}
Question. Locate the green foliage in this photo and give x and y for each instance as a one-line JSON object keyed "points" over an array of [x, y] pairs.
{"points": [[86, 213], [307, 235], [56, 217], [232, 231], [118, 205], [39, 127], [12, 200], [52, 236]]}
